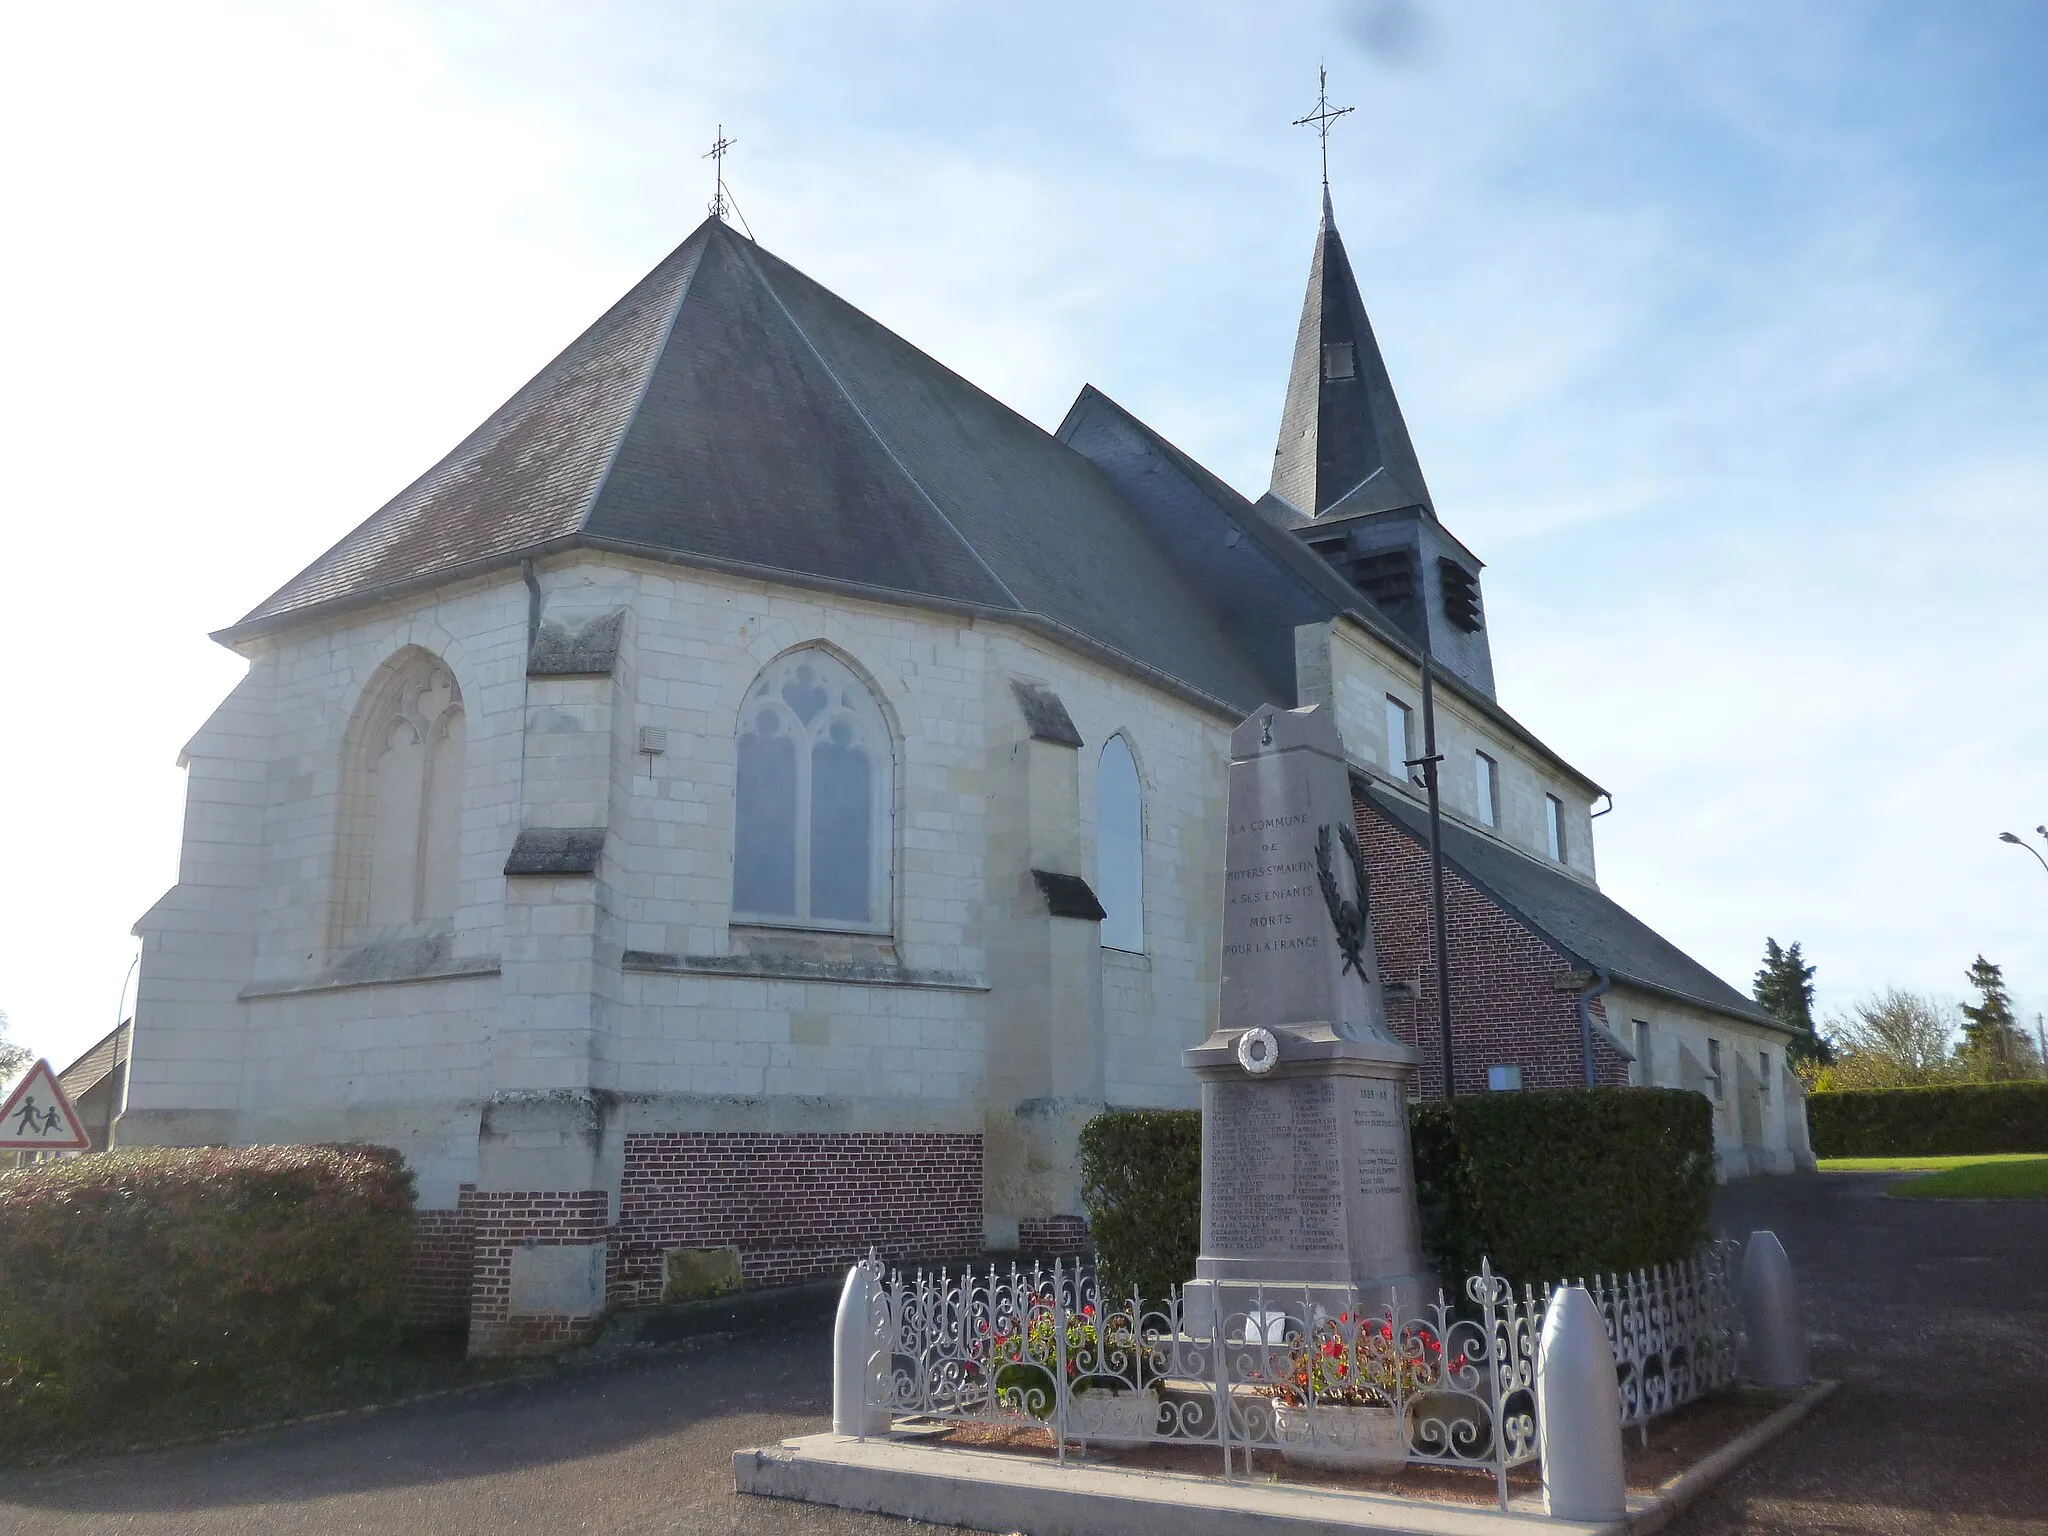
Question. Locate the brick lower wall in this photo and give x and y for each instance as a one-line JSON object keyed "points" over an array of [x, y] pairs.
{"points": [[1507, 1008], [796, 1206], [443, 1256], [1052, 1234], [503, 1220]]}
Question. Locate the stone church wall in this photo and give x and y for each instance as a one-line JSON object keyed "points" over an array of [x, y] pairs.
{"points": [[1755, 1103], [1337, 665], [270, 1010]]}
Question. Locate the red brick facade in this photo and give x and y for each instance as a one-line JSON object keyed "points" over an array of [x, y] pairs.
{"points": [[796, 1206], [443, 1261], [1512, 1001], [503, 1220]]}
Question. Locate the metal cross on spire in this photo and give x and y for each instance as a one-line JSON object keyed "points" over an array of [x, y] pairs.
{"points": [[1322, 117], [716, 154]]}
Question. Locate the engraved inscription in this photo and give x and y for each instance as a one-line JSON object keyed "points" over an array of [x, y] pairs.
{"points": [[1377, 1134], [1275, 1174]]}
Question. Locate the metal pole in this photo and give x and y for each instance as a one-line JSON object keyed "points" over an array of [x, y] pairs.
{"points": [[1430, 759]]}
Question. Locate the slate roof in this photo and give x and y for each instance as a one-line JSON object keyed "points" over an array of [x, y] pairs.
{"points": [[1343, 441], [1592, 931], [1259, 580], [729, 411]]}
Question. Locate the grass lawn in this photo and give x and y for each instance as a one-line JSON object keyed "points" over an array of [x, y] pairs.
{"points": [[2009, 1176], [1920, 1164]]}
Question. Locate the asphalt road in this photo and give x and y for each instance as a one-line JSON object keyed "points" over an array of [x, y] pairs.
{"points": [[1935, 1315]]}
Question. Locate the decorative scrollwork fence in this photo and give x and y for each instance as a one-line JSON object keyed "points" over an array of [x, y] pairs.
{"points": [[1043, 1348]]}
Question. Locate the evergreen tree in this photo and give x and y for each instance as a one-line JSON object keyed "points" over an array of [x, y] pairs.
{"points": [[1994, 1046], [1784, 990]]}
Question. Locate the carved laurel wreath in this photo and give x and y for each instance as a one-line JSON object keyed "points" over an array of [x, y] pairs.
{"points": [[1348, 917]]}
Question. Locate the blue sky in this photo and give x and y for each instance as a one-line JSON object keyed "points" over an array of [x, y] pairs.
{"points": [[1721, 331]]}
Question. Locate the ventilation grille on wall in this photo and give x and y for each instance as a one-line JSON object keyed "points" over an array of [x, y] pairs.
{"points": [[1461, 595], [1388, 577]]}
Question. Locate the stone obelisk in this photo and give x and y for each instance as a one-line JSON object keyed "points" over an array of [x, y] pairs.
{"points": [[1307, 1179]]}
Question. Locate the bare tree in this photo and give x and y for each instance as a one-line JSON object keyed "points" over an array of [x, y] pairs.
{"points": [[1894, 1039], [12, 1057]]}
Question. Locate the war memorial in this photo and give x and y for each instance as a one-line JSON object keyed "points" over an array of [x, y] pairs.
{"points": [[1312, 1335]]}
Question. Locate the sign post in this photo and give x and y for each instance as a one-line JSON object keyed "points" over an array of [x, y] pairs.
{"points": [[38, 1117]]}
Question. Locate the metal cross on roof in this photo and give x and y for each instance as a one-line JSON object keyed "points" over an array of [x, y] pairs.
{"points": [[1323, 116], [719, 201]]}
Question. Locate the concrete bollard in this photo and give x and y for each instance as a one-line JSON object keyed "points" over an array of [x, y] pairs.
{"points": [[1578, 1412], [1770, 1314], [859, 1361]]}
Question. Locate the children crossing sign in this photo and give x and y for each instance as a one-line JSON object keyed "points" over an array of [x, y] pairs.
{"points": [[39, 1118]]}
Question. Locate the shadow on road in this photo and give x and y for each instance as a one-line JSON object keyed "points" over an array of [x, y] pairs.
{"points": [[587, 1414]]}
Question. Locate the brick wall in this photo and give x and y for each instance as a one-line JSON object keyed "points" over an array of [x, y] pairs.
{"points": [[1052, 1234], [794, 1205], [1507, 1008], [503, 1220], [443, 1258]]}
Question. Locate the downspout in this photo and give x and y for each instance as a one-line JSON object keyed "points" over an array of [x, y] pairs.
{"points": [[532, 605], [532, 581], [1601, 982]]}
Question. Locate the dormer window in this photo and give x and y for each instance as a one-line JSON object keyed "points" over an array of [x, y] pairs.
{"points": [[1338, 360]]}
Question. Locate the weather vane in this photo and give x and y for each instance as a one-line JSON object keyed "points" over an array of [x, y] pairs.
{"points": [[1322, 117], [716, 154]]}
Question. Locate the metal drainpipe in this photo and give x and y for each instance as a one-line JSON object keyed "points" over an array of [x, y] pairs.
{"points": [[1602, 981], [526, 574]]}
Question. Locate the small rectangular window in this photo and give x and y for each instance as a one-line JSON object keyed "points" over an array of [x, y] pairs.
{"points": [[1504, 1079], [1400, 739], [1714, 1067], [1553, 825], [1643, 1078], [1763, 1072], [1487, 772], [1338, 360]]}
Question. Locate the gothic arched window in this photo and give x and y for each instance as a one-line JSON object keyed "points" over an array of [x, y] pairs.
{"points": [[811, 798], [403, 798], [1120, 848]]}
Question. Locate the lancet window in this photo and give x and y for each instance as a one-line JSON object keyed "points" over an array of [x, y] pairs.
{"points": [[812, 800], [1120, 847], [403, 807]]}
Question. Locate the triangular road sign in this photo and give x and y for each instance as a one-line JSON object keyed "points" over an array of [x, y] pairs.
{"points": [[39, 1117]]}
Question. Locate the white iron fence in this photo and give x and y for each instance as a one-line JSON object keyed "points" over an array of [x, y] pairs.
{"points": [[1440, 1385]]}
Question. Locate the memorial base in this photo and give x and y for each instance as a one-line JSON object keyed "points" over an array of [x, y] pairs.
{"points": [[1308, 1186], [1254, 1313]]}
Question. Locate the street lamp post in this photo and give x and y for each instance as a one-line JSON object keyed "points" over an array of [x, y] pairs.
{"points": [[2020, 842]]}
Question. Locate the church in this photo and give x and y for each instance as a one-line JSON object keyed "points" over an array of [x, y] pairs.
{"points": [[758, 796]]}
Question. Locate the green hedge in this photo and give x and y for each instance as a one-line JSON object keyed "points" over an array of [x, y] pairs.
{"points": [[128, 1275], [1546, 1185], [1565, 1184], [1955, 1120], [1141, 1179]]}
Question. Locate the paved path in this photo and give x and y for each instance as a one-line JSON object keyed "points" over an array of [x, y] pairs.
{"points": [[1936, 1316]]}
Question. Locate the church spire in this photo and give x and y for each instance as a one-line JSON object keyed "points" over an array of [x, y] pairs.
{"points": [[1343, 445]]}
